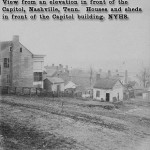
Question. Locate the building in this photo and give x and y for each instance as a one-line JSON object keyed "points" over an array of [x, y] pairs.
{"points": [[107, 89], [57, 71], [85, 80], [54, 84], [19, 67], [70, 85]]}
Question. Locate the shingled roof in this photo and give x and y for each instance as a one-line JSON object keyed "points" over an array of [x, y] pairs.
{"points": [[55, 80], [51, 72], [105, 83]]}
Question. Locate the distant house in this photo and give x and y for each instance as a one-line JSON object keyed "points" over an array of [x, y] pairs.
{"points": [[57, 71], [19, 67], [70, 86], [146, 94], [107, 89], [80, 91], [84, 80], [54, 84]]}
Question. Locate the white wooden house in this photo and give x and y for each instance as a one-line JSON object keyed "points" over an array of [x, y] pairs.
{"points": [[107, 89], [70, 85], [146, 94]]}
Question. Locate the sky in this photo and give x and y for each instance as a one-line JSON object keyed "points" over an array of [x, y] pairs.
{"points": [[107, 45]]}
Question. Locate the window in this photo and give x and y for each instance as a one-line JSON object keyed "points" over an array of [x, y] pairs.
{"points": [[97, 93], [10, 49], [37, 76], [6, 62], [20, 49]]}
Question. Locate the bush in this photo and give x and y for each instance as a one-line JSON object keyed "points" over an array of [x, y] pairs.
{"points": [[102, 100], [114, 99]]}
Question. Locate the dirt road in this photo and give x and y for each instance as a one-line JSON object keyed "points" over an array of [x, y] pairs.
{"points": [[44, 123]]}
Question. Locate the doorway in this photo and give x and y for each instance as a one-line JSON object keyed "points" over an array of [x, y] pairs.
{"points": [[58, 88], [107, 97]]}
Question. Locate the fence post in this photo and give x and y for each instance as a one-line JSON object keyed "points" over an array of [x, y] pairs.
{"points": [[62, 106], [30, 92], [15, 90], [8, 88], [36, 91], [23, 90], [40, 92]]}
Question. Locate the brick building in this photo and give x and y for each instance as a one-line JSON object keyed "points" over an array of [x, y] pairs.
{"points": [[18, 66]]}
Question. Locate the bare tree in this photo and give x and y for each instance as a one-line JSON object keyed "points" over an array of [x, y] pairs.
{"points": [[91, 75], [144, 76]]}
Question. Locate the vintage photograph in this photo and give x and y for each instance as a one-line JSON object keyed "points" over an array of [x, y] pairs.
{"points": [[75, 84]]}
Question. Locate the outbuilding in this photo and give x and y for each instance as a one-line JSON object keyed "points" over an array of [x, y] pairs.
{"points": [[146, 94], [70, 85], [107, 89], [54, 84]]}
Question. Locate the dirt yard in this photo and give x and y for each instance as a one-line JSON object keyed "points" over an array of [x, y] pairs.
{"points": [[65, 123]]}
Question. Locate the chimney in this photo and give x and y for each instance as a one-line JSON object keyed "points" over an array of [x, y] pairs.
{"points": [[97, 77], [16, 38], [126, 77], [109, 73]]}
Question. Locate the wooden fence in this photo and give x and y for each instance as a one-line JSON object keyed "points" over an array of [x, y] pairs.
{"points": [[31, 91]]}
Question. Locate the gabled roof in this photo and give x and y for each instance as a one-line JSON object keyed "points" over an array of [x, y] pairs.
{"points": [[25, 48], [5, 44], [70, 84], [55, 80], [51, 72], [105, 83], [69, 81], [44, 72]]}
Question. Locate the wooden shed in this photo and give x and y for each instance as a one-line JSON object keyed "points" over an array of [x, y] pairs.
{"points": [[54, 84]]}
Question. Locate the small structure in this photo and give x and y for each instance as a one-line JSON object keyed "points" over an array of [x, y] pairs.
{"points": [[107, 89], [54, 84], [70, 85], [88, 93], [146, 94]]}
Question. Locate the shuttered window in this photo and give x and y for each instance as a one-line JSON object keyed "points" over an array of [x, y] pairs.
{"points": [[6, 62]]}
